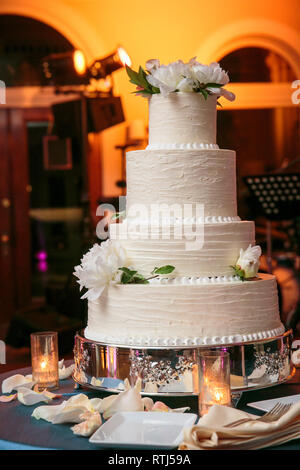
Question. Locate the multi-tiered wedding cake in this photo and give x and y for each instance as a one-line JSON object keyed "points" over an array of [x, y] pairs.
{"points": [[181, 215]]}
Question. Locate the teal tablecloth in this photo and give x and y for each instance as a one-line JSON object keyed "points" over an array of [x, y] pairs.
{"points": [[19, 431]]}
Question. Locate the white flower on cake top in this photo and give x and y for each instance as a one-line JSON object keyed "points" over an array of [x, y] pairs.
{"points": [[180, 77]]}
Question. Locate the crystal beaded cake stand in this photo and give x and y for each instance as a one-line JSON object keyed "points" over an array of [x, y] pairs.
{"points": [[172, 371]]}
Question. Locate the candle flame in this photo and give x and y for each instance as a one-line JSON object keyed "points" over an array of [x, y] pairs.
{"points": [[218, 396]]}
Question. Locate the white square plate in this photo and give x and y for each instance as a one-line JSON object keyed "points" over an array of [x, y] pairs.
{"points": [[142, 430], [267, 405]]}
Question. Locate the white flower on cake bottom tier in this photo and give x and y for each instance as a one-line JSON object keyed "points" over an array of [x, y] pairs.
{"points": [[99, 267]]}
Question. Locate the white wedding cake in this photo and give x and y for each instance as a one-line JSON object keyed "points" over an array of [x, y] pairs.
{"points": [[181, 214]]}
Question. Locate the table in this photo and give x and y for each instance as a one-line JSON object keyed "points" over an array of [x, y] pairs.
{"points": [[19, 431]]}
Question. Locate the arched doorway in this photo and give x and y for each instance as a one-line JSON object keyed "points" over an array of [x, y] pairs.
{"points": [[63, 19]]}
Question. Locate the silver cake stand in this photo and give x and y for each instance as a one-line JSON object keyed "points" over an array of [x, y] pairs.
{"points": [[173, 371]]}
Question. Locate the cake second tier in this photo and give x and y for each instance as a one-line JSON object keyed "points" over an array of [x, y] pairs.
{"points": [[184, 182]]}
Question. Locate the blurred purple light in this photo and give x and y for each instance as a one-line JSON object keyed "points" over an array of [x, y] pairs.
{"points": [[41, 255], [42, 266]]}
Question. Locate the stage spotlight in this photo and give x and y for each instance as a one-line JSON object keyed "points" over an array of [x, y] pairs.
{"points": [[79, 62], [66, 68], [101, 68]]}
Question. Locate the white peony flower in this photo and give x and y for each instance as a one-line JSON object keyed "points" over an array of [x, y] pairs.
{"points": [[186, 85], [190, 77], [209, 73], [168, 77], [152, 64], [221, 92], [99, 267], [249, 261]]}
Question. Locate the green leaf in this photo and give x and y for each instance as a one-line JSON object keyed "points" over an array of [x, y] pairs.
{"points": [[213, 85], [132, 74], [140, 279], [142, 92], [204, 93], [127, 270], [127, 275], [132, 277], [140, 79], [239, 272], [164, 269], [154, 89], [143, 80]]}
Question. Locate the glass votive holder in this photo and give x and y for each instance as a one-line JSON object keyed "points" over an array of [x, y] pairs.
{"points": [[214, 379], [44, 359]]}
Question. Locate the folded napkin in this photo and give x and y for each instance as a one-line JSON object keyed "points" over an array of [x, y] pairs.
{"points": [[210, 433]]}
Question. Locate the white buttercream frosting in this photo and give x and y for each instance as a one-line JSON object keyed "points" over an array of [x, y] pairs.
{"points": [[182, 118], [186, 314], [176, 177], [157, 245]]}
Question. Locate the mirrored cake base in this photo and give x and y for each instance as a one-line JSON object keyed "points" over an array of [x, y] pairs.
{"points": [[172, 371]]}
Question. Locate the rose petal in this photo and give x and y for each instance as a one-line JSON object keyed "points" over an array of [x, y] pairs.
{"points": [[88, 427], [29, 397], [69, 414], [130, 400], [160, 406], [96, 403], [8, 398], [65, 372], [179, 410], [15, 381], [47, 412], [96, 382], [148, 403]]}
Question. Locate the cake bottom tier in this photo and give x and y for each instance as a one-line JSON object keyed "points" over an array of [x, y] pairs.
{"points": [[186, 314]]}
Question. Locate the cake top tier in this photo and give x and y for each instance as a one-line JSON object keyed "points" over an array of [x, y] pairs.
{"points": [[182, 102], [182, 120]]}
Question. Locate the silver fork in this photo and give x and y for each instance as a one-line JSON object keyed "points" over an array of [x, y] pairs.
{"points": [[273, 415]]}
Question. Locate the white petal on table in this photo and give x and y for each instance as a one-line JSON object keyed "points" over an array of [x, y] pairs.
{"points": [[65, 372], [87, 427], [15, 381], [29, 397]]}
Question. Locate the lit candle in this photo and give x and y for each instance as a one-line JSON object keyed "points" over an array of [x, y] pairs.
{"points": [[214, 380], [44, 359]]}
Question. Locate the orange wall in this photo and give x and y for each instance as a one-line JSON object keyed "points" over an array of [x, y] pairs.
{"points": [[164, 29]]}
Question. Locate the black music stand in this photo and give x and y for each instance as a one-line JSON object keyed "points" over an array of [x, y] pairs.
{"points": [[278, 197]]}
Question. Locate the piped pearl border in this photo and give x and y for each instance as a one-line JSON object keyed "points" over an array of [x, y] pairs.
{"points": [[210, 219], [135, 341], [194, 280], [187, 146]]}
